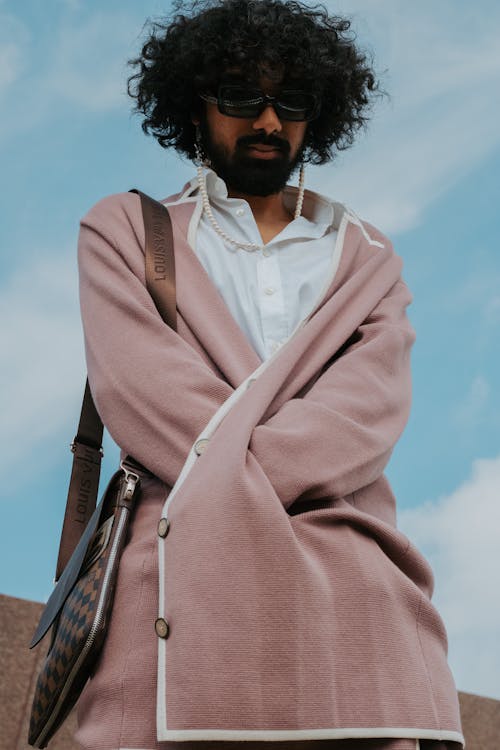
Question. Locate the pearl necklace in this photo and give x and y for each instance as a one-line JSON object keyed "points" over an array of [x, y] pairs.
{"points": [[248, 246]]}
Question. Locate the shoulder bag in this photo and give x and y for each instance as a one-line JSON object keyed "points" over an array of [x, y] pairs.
{"points": [[93, 537]]}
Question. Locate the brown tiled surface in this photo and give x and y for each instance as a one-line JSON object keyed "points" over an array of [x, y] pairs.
{"points": [[481, 721], [19, 667]]}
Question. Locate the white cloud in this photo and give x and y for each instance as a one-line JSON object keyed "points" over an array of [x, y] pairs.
{"points": [[492, 311], [72, 5], [477, 289], [474, 405], [44, 369], [14, 39], [459, 535], [9, 64], [88, 64], [476, 294], [82, 62], [444, 65]]}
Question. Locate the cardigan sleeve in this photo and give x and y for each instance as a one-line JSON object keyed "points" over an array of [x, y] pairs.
{"points": [[340, 435], [152, 410]]}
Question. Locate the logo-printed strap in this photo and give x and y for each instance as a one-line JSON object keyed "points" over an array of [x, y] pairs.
{"points": [[87, 444]]}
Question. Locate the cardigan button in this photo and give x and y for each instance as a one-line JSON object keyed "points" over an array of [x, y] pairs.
{"points": [[200, 445], [161, 627], [163, 527]]}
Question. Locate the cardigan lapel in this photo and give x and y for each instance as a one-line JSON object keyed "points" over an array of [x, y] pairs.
{"points": [[203, 308]]}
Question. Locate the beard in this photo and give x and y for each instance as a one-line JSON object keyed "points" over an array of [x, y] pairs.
{"points": [[245, 173]]}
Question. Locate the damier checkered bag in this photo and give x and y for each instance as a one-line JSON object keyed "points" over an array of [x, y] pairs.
{"points": [[93, 538], [79, 628]]}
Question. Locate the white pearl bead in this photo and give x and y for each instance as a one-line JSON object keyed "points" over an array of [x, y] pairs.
{"points": [[248, 246]]}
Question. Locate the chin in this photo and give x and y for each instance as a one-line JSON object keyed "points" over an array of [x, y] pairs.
{"points": [[261, 188], [254, 176]]}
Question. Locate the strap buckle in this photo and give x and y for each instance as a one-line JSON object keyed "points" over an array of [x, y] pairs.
{"points": [[72, 446]]}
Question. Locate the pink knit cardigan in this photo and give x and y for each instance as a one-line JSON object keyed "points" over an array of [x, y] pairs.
{"points": [[291, 607]]}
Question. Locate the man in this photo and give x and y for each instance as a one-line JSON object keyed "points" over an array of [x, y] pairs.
{"points": [[255, 162], [265, 594]]}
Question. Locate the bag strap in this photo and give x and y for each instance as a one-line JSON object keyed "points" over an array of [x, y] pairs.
{"points": [[87, 443]]}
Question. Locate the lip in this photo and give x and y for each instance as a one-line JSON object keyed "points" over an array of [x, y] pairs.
{"points": [[264, 152]]}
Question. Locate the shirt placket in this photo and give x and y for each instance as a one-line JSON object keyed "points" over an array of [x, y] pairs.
{"points": [[271, 301]]}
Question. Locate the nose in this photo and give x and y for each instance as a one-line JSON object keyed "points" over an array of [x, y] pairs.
{"points": [[268, 120]]}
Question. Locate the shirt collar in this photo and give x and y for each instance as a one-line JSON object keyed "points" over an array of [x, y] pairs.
{"points": [[317, 210]]}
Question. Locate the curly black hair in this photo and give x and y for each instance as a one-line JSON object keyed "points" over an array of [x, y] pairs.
{"points": [[189, 52]]}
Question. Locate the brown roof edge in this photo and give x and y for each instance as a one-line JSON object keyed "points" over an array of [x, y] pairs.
{"points": [[20, 667]]}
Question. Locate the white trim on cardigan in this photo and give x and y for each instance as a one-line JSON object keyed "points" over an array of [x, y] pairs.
{"points": [[161, 717], [417, 740], [343, 216]]}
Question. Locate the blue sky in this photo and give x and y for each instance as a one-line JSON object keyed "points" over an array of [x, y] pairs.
{"points": [[426, 172]]}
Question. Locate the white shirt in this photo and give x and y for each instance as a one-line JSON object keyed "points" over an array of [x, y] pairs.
{"points": [[267, 291]]}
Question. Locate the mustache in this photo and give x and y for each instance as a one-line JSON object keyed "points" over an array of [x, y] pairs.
{"points": [[264, 140]]}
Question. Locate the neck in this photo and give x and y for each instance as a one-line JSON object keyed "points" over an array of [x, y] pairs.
{"points": [[264, 204], [265, 208]]}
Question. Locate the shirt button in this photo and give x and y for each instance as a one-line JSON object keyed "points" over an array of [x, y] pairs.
{"points": [[163, 527], [266, 252], [161, 627], [200, 445], [269, 289], [240, 212]]}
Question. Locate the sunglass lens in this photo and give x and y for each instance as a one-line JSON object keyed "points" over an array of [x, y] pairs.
{"points": [[296, 105], [237, 101]]}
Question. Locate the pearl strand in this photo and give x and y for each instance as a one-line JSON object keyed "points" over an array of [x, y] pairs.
{"points": [[300, 196], [248, 246]]}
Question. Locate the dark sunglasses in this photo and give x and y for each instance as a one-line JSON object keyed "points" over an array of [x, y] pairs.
{"points": [[240, 101]]}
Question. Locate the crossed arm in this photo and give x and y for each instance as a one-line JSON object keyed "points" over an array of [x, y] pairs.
{"points": [[340, 435], [332, 441]]}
